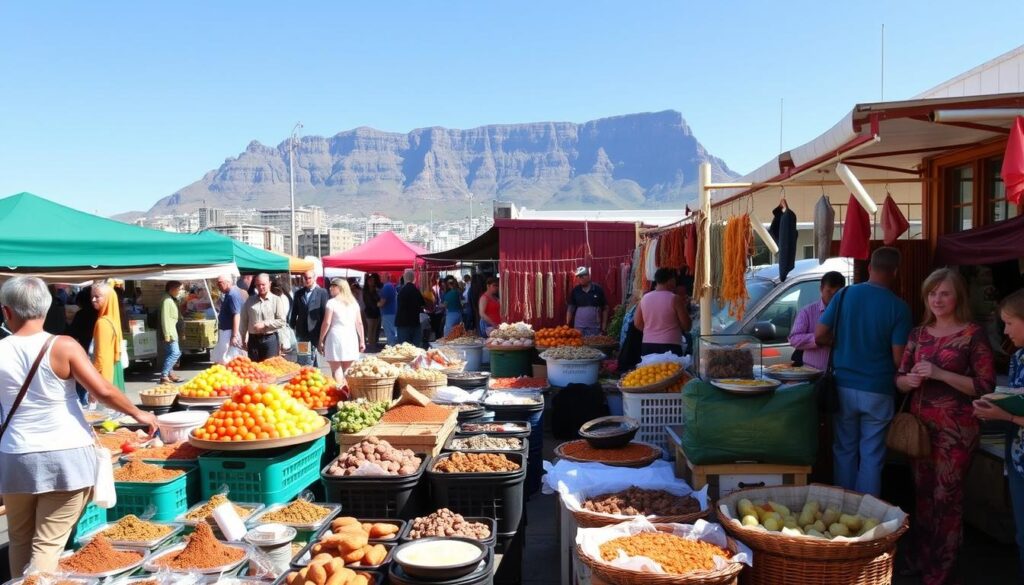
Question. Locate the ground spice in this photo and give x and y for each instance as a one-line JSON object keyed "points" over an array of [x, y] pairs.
{"points": [[97, 556], [45, 578], [132, 529], [459, 462], [177, 452], [138, 471], [202, 551], [675, 554], [205, 511], [298, 512], [412, 413], [582, 450]]}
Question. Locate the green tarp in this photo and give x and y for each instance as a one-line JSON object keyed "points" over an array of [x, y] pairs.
{"points": [[37, 235], [249, 259]]}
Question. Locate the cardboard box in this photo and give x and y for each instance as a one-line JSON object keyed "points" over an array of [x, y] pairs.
{"points": [[200, 334], [142, 345]]}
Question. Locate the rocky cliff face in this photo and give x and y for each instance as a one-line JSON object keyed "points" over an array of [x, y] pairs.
{"points": [[638, 160]]}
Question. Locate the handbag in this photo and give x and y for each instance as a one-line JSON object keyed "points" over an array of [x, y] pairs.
{"points": [[826, 387], [908, 435], [103, 493]]}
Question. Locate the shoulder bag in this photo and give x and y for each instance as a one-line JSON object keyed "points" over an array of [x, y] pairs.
{"points": [[826, 388], [907, 434]]}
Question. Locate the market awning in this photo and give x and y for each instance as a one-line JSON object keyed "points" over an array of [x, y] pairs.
{"points": [[296, 265], [990, 244], [250, 260], [40, 236], [483, 248], [385, 252]]}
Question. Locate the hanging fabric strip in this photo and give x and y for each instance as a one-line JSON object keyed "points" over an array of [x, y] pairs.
{"points": [[538, 294], [550, 286]]}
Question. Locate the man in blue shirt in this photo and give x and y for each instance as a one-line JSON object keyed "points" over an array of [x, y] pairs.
{"points": [[388, 304], [867, 341], [229, 338]]}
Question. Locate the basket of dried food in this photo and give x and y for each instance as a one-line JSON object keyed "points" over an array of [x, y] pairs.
{"points": [[656, 378], [673, 503], [162, 395], [815, 534], [427, 381], [402, 353], [372, 379], [640, 553]]}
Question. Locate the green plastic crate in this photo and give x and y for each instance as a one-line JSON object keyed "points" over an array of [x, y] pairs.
{"points": [[92, 518], [195, 493], [169, 498], [256, 477]]}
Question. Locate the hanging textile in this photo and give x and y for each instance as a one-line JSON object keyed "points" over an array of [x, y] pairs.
{"points": [[783, 231], [549, 289], [651, 261], [991, 244], [856, 232], [701, 278], [1013, 162], [824, 227], [738, 239], [717, 247], [894, 223], [690, 248]]}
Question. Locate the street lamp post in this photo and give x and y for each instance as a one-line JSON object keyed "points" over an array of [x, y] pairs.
{"points": [[472, 234], [291, 180]]}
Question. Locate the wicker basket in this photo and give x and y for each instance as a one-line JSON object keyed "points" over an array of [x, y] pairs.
{"points": [[372, 389], [396, 361], [425, 387], [585, 519], [641, 462], [728, 575], [156, 399], [811, 561], [657, 387]]}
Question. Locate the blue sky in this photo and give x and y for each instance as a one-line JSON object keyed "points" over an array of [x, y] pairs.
{"points": [[108, 106]]}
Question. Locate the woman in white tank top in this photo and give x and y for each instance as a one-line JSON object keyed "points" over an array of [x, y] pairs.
{"points": [[47, 458]]}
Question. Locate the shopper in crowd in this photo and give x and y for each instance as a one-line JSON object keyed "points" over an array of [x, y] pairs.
{"points": [[371, 302], [47, 453], [452, 305], [467, 303], [56, 318], [107, 336], [801, 336], [170, 317], [357, 294], [410, 307], [438, 311], [281, 287], [489, 307], [229, 334], [388, 304], [588, 307], [1011, 312], [264, 315], [872, 331], [81, 329], [947, 363], [307, 316], [341, 336], [662, 315]]}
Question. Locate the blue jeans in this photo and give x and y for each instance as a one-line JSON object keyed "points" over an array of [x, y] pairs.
{"points": [[451, 319], [412, 334], [171, 354], [1015, 481], [390, 333], [859, 447]]}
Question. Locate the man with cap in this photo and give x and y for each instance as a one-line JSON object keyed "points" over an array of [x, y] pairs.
{"points": [[588, 308]]}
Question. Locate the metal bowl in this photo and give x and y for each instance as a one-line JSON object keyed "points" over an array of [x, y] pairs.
{"points": [[439, 572], [610, 432]]}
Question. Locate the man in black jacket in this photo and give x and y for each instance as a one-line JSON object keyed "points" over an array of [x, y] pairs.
{"points": [[307, 317], [410, 306]]}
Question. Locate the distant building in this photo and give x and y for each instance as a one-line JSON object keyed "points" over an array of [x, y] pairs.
{"points": [[308, 217], [321, 243], [378, 224], [258, 236], [210, 216]]}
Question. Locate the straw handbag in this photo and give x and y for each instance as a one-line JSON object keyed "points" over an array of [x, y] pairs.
{"points": [[908, 435]]}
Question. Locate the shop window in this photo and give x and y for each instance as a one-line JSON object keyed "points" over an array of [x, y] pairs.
{"points": [[960, 186], [999, 208], [808, 252]]}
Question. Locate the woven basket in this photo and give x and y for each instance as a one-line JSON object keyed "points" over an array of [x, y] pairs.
{"points": [[396, 361], [426, 388], [728, 575], [657, 387], [372, 389], [585, 519], [156, 399], [641, 462]]}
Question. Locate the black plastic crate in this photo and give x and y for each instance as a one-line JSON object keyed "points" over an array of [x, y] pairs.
{"points": [[488, 495], [398, 496]]}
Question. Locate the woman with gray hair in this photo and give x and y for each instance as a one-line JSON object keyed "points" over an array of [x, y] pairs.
{"points": [[47, 457]]}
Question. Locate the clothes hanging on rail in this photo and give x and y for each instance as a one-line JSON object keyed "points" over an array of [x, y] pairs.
{"points": [[894, 223], [824, 227], [651, 261], [856, 242], [690, 248], [783, 231]]}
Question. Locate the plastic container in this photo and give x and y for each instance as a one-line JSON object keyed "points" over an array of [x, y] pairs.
{"points": [[523, 450], [170, 498], [275, 541], [490, 541], [521, 430], [535, 463], [561, 373], [484, 575], [491, 495], [728, 356], [393, 496], [513, 363], [261, 477], [192, 480], [473, 354], [176, 426], [655, 412], [92, 518]]}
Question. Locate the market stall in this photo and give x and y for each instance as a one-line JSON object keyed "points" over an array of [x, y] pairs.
{"points": [[384, 253]]}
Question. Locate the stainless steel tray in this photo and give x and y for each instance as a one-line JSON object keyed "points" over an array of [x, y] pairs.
{"points": [[119, 571], [254, 508], [149, 544], [152, 566], [335, 509]]}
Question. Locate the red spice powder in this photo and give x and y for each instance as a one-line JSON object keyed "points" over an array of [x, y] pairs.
{"points": [[582, 450], [411, 413]]}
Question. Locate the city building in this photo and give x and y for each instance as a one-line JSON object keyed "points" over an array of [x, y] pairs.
{"points": [[258, 236], [306, 217], [210, 216], [320, 243]]}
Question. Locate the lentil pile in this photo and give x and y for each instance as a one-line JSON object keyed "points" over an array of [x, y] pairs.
{"points": [[97, 556], [485, 443], [475, 463], [642, 502], [176, 451], [582, 450], [138, 471], [412, 413], [202, 551], [132, 529], [444, 522], [676, 555], [298, 512], [205, 511]]}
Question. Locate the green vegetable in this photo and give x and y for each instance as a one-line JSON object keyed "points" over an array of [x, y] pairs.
{"points": [[356, 415]]}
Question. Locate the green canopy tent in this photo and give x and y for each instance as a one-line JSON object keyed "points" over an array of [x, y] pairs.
{"points": [[40, 237], [249, 259]]}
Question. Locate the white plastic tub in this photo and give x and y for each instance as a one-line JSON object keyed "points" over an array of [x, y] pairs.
{"points": [[564, 372], [175, 426], [473, 354]]}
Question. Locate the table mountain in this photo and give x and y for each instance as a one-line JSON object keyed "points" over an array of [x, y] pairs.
{"points": [[631, 161]]}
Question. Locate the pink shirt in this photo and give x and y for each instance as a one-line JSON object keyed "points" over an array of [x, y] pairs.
{"points": [[801, 336], [660, 322]]}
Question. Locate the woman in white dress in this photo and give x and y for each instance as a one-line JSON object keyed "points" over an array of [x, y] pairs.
{"points": [[341, 337]]}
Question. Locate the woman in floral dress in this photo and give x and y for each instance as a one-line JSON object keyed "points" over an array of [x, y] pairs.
{"points": [[948, 363], [1011, 311]]}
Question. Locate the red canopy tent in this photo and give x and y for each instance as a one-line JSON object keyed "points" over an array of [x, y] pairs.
{"points": [[386, 253]]}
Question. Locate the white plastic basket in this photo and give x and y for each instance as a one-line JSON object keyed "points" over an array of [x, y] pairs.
{"points": [[655, 412], [564, 372]]}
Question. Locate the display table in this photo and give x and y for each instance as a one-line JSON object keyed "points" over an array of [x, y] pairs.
{"points": [[986, 493]]}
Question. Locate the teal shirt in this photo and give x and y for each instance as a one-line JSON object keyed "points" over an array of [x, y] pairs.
{"points": [[453, 301], [872, 320]]}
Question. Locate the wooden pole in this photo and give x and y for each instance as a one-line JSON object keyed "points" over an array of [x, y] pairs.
{"points": [[704, 195]]}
